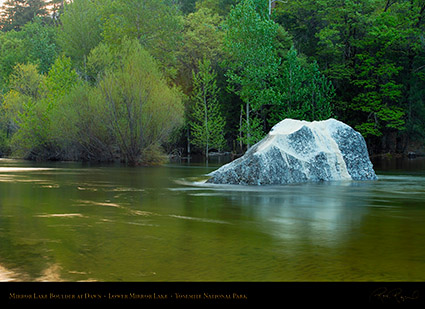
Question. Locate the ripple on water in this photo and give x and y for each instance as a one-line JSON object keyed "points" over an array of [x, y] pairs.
{"points": [[73, 215], [25, 169], [94, 203], [199, 219]]}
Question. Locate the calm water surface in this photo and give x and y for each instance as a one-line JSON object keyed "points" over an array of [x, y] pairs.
{"points": [[78, 222]]}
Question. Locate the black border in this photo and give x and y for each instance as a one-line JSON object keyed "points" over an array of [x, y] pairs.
{"points": [[214, 293]]}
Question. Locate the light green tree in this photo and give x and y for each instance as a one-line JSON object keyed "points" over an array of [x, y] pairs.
{"points": [[36, 99], [207, 123], [84, 133], [60, 79], [80, 30], [202, 37], [26, 120], [101, 59], [156, 24], [25, 89], [142, 109]]}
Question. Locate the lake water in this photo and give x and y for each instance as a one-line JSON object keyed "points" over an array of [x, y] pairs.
{"points": [[79, 222]]}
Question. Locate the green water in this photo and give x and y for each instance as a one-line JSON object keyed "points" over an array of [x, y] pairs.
{"points": [[79, 222]]}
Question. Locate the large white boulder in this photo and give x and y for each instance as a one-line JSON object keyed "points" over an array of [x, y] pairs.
{"points": [[297, 151]]}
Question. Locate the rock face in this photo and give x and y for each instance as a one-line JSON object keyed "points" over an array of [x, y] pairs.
{"points": [[300, 151]]}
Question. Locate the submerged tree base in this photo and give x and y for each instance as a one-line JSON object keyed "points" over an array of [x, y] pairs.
{"points": [[152, 156]]}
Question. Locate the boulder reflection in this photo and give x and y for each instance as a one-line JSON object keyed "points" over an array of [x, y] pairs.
{"points": [[322, 212]]}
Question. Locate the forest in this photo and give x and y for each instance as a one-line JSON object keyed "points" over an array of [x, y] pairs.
{"points": [[139, 81]]}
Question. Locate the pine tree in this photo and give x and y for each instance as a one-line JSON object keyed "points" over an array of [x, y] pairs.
{"points": [[208, 124]]}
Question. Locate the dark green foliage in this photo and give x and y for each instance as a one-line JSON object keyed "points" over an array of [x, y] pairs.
{"points": [[373, 52], [306, 93]]}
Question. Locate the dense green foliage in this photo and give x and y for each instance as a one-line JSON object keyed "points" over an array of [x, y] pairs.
{"points": [[373, 52], [131, 79], [253, 64]]}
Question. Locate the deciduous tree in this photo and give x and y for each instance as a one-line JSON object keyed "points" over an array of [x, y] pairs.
{"points": [[142, 109], [80, 31], [156, 24], [207, 123]]}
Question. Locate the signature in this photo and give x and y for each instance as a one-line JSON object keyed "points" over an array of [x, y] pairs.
{"points": [[397, 294]]}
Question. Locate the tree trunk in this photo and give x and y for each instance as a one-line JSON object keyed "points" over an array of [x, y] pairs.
{"points": [[248, 129], [240, 130], [206, 125], [188, 141]]}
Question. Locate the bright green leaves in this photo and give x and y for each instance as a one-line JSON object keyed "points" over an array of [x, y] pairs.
{"points": [[26, 80], [207, 122], [155, 24], [107, 97], [130, 110], [253, 63], [25, 84], [380, 92], [33, 103], [372, 51], [60, 79]]}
